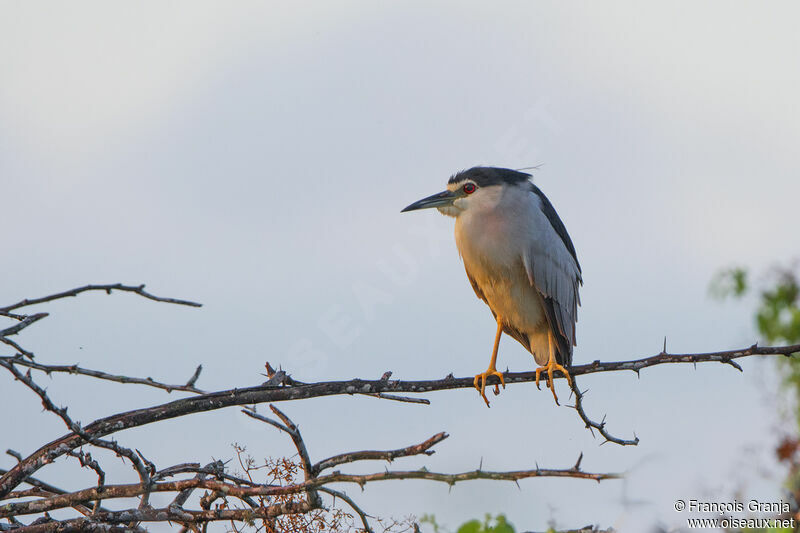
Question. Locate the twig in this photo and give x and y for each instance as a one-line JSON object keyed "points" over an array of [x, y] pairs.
{"points": [[192, 380], [138, 289], [22, 324], [216, 469], [50, 489], [17, 347], [349, 501], [290, 428], [297, 439], [86, 461], [182, 496], [98, 374], [599, 426], [15, 454], [396, 398], [388, 455]]}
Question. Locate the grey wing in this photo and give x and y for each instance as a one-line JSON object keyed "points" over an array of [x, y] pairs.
{"points": [[553, 269]]}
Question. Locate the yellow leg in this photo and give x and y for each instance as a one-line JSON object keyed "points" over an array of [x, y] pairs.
{"points": [[480, 379], [552, 365]]}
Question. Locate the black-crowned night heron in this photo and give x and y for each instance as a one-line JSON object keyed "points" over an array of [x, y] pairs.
{"points": [[519, 260]]}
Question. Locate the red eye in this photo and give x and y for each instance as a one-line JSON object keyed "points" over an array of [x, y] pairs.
{"points": [[469, 188]]}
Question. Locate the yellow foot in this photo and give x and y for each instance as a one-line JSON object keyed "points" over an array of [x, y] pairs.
{"points": [[480, 382], [550, 367]]}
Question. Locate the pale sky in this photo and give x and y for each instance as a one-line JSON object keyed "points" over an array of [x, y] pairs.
{"points": [[255, 157]]}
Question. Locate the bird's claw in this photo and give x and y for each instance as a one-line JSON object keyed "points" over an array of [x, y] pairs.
{"points": [[480, 383], [550, 367]]}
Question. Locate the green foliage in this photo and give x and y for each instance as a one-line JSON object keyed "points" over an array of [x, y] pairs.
{"points": [[778, 321], [499, 524], [778, 315], [431, 519], [729, 282], [489, 525]]}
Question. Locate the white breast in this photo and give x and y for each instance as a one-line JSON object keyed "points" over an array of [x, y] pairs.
{"points": [[490, 235]]}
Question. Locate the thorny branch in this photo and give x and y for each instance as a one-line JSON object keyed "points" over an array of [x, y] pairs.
{"points": [[290, 389], [389, 455], [238, 491], [138, 289], [214, 478], [591, 425], [98, 374], [136, 459]]}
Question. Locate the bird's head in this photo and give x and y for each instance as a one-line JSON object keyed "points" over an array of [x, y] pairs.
{"points": [[476, 188]]}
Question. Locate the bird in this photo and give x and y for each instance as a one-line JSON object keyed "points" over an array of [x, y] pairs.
{"points": [[520, 261]]}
